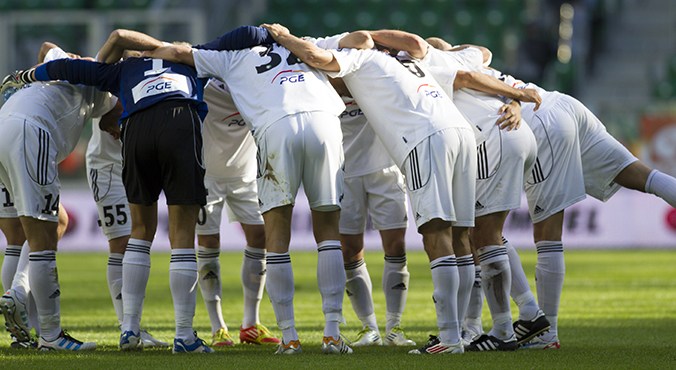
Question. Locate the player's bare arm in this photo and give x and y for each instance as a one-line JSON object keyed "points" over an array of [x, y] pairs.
{"points": [[172, 53], [309, 53], [400, 40], [121, 40], [357, 40], [510, 116], [491, 85]]}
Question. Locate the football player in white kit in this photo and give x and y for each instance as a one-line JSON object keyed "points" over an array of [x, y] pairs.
{"points": [[374, 188], [230, 160], [417, 116], [15, 272], [505, 160], [39, 126], [292, 112]]}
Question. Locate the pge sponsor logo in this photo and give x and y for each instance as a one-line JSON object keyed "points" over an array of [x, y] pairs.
{"points": [[234, 120], [430, 91], [296, 78], [351, 113], [167, 82]]}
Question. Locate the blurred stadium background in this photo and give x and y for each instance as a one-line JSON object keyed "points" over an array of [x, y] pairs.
{"points": [[617, 56]]}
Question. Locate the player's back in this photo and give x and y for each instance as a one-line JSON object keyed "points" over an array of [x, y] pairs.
{"points": [[401, 100], [229, 148], [268, 83], [60, 108]]}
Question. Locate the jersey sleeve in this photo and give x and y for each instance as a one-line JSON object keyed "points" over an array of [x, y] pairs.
{"points": [[329, 42], [103, 76], [211, 63], [349, 61], [472, 57], [54, 54], [240, 38]]}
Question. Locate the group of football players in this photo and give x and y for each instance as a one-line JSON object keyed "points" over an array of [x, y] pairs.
{"points": [[361, 120]]}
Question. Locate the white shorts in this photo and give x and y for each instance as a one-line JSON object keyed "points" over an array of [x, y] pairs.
{"points": [[240, 199], [301, 148], [28, 168], [106, 185], [441, 177], [381, 195], [7, 209], [504, 164], [576, 156]]}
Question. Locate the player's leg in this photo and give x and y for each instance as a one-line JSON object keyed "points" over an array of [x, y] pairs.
{"points": [[451, 167], [638, 176], [183, 270], [358, 284], [253, 275], [242, 206], [136, 271], [532, 321], [471, 326], [11, 227], [550, 271], [495, 272], [323, 180], [388, 210], [395, 284], [279, 282]]}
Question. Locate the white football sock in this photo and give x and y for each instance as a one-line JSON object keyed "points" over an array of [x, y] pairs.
{"points": [[520, 290], [395, 287], [359, 290], [662, 185], [279, 285], [549, 274], [496, 278], [331, 282], [183, 283], [210, 285], [12, 253], [135, 273], [114, 278], [253, 283], [20, 283], [46, 291], [465, 283], [445, 280], [476, 304], [22, 289]]}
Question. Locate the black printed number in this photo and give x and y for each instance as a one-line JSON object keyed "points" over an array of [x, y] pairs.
{"points": [[51, 207], [110, 217], [8, 199], [275, 60], [413, 68]]}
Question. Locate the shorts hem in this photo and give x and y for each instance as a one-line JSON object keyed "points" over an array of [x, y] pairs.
{"points": [[543, 216]]}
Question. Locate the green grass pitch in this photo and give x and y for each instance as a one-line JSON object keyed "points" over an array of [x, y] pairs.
{"points": [[618, 311]]}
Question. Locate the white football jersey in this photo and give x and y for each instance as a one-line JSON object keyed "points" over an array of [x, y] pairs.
{"points": [[329, 42], [229, 148], [269, 83], [401, 100], [60, 108], [364, 153], [480, 109]]}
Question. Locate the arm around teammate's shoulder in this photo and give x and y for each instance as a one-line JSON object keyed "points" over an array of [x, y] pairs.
{"points": [[309, 53], [172, 53]]}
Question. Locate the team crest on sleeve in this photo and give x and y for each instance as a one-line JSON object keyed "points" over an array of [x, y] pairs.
{"points": [[164, 83]]}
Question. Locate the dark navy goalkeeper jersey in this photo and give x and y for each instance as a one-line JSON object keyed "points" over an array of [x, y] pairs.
{"points": [[138, 82]]}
